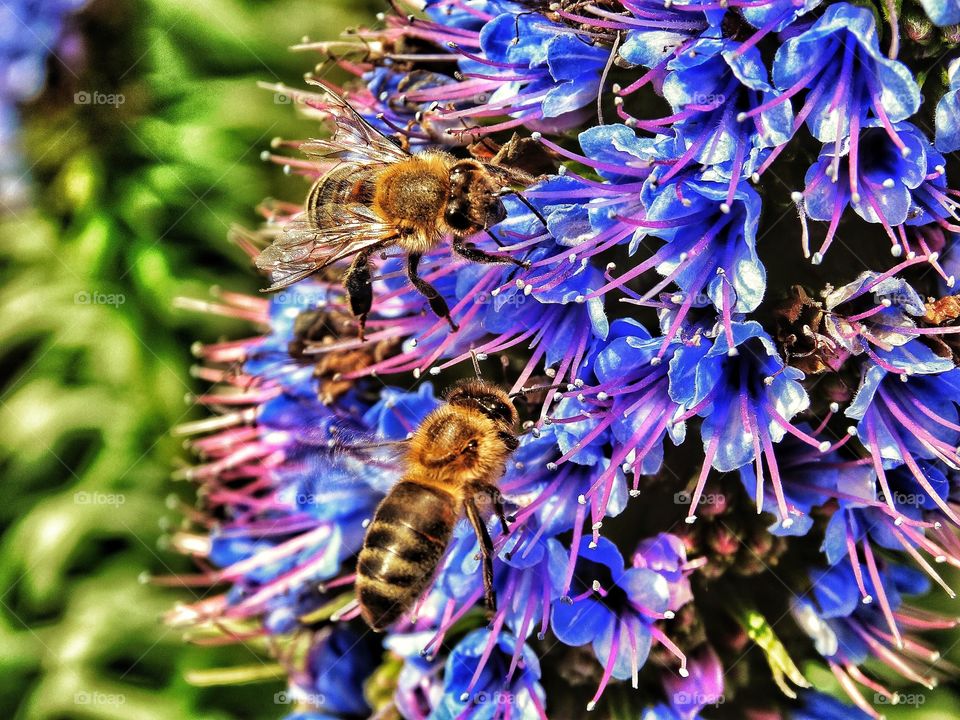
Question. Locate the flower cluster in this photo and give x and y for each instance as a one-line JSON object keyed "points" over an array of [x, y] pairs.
{"points": [[741, 239]]}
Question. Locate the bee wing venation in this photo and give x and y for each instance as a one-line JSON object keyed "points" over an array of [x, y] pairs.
{"points": [[354, 137], [302, 248], [306, 245], [353, 452]]}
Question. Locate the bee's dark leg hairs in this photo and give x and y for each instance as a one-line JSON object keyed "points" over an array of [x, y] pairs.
{"points": [[475, 254], [486, 550], [437, 303], [498, 509], [359, 289]]}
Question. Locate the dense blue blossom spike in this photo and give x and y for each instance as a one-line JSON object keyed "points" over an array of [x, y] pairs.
{"points": [[654, 288]]}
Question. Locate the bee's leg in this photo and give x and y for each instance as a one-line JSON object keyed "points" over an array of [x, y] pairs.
{"points": [[475, 254], [437, 303], [491, 494], [486, 551], [359, 289], [499, 510]]}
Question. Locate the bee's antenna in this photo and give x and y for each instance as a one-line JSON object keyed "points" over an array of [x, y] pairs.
{"points": [[476, 363], [603, 77], [525, 390], [493, 237], [521, 198]]}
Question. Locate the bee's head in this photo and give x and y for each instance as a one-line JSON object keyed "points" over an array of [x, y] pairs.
{"points": [[490, 401], [474, 203]]}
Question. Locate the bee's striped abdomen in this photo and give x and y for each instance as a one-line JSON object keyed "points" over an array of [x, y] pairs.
{"points": [[346, 184], [405, 542]]}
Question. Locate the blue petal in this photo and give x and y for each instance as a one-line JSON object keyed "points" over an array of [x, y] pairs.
{"points": [[942, 12], [580, 622], [646, 589], [948, 122], [631, 633], [836, 591], [650, 47]]}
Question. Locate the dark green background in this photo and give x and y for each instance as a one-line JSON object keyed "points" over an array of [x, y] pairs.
{"points": [[135, 201]]}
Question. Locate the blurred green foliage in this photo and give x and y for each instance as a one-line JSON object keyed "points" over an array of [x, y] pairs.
{"points": [[132, 206]]}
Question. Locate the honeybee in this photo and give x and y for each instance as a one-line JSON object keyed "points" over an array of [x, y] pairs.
{"points": [[378, 196], [454, 459], [315, 329]]}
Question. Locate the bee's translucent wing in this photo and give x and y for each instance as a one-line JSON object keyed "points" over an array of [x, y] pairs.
{"points": [[354, 138], [348, 453], [301, 248]]}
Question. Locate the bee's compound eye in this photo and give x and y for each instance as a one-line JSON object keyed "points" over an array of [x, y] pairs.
{"points": [[495, 409], [456, 219]]}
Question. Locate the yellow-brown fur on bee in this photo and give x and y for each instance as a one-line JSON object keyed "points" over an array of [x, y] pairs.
{"points": [[315, 329], [452, 464], [379, 196]]}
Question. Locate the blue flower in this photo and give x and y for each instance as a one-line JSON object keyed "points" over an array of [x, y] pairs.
{"points": [[745, 394], [810, 474], [710, 230], [614, 611], [628, 405], [713, 89], [847, 627], [838, 59], [546, 73], [337, 667], [906, 410], [869, 172], [527, 579], [476, 680]]}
